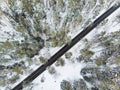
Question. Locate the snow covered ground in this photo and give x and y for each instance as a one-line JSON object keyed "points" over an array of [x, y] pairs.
{"points": [[71, 71]]}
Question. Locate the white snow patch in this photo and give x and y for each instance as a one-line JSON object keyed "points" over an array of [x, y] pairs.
{"points": [[52, 82]]}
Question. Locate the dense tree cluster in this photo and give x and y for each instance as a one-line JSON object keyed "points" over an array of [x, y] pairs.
{"points": [[100, 74]]}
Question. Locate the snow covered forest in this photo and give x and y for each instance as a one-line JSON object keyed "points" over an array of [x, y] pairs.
{"points": [[31, 31]]}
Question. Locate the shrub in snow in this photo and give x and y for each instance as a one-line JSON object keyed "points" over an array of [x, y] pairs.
{"points": [[60, 62], [17, 69], [60, 37], [76, 85], [79, 85], [115, 60], [42, 79], [42, 59], [68, 55], [80, 58], [13, 79], [51, 70], [86, 52], [60, 4], [101, 1], [66, 85], [2, 82]]}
